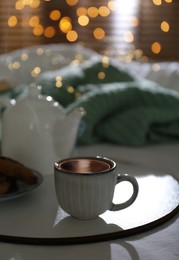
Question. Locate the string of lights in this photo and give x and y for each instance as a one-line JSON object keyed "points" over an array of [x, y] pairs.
{"points": [[111, 27]]}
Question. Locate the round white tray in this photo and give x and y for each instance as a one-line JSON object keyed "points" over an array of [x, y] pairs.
{"points": [[37, 219]]}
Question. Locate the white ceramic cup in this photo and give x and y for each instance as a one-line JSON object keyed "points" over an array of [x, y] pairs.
{"points": [[85, 186]]}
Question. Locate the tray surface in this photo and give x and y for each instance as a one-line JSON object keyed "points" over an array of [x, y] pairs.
{"points": [[37, 219]]}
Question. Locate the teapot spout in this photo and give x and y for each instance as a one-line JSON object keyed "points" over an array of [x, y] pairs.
{"points": [[69, 125], [73, 120], [66, 133]]}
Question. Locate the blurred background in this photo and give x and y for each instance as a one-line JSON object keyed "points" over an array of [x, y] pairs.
{"points": [[130, 29]]}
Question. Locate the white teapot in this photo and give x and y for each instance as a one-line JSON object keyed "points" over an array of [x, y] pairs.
{"points": [[37, 132]]}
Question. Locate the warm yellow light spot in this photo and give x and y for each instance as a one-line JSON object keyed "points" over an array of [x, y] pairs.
{"points": [[157, 2], [55, 15], [72, 36], [156, 47], [19, 5], [58, 78], [10, 66], [99, 33], [128, 58], [49, 32], [134, 21], [83, 20], [128, 36], [35, 72], [168, 1], [112, 5], [72, 2], [104, 11], [75, 62], [65, 24], [101, 75], [16, 65], [165, 27], [34, 21], [105, 61], [35, 4], [58, 83], [93, 11], [138, 53], [70, 89], [24, 56], [81, 11], [77, 94], [156, 67], [38, 30], [12, 21], [27, 2]]}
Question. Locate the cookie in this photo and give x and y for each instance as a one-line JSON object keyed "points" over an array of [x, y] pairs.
{"points": [[5, 185], [11, 171]]}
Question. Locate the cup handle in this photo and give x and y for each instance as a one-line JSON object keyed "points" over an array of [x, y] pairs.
{"points": [[135, 185]]}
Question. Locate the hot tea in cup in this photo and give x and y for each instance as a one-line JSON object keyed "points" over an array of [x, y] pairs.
{"points": [[85, 186]]}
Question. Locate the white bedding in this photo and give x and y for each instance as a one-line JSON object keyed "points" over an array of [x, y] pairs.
{"points": [[25, 65]]}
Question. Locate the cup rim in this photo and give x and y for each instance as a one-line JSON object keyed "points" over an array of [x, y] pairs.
{"points": [[101, 158]]}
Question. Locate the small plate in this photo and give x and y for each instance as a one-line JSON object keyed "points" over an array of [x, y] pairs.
{"points": [[22, 188]]}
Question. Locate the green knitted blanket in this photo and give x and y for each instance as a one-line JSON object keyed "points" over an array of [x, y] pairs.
{"points": [[119, 108]]}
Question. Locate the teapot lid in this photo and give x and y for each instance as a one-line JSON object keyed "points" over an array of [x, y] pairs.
{"points": [[36, 105], [43, 101]]}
